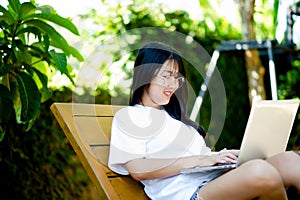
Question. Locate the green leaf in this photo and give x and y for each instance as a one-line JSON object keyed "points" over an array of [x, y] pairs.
{"points": [[46, 42], [60, 61], [36, 50], [63, 22], [15, 5], [27, 126], [29, 29], [3, 24], [6, 104], [205, 5], [4, 69], [69, 50], [13, 87], [47, 29], [56, 39], [46, 9], [45, 91], [19, 44], [27, 9], [23, 59], [2, 133], [6, 15], [74, 52], [29, 95]]}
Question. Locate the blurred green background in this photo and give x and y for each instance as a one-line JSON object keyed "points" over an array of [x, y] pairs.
{"points": [[39, 163]]}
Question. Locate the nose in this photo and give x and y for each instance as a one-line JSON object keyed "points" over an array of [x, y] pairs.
{"points": [[172, 82]]}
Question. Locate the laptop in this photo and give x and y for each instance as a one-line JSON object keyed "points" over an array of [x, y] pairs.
{"points": [[267, 133]]}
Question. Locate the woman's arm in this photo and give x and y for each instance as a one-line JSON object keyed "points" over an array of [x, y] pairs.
{"points": [[144, 169]]}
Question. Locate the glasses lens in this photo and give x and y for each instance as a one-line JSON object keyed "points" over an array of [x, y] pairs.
{"points": [[180, 81]]}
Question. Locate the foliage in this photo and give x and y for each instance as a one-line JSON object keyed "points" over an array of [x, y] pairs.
{"points": [[289, 88], [234, 76], [41, 164], [29, 49], [265, 19], [132, 15]]}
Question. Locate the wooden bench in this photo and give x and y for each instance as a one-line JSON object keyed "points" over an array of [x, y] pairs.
{"points": [[87, 127]]}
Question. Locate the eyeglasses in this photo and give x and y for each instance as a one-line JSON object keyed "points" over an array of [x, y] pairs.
{"points": [[169, 80]]}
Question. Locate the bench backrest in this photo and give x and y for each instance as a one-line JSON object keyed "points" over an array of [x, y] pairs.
{"points": [[87, 127]]}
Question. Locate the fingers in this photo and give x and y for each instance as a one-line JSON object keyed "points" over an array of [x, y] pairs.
{"points": [[228, 156]]}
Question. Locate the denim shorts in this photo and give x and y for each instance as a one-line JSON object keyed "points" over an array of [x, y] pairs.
{"points": [[196, 196]]}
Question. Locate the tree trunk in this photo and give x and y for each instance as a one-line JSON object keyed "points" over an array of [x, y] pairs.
{"points": [[255, 70]]}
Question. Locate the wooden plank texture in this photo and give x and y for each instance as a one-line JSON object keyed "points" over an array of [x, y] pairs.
{"points": [[87, 127]]}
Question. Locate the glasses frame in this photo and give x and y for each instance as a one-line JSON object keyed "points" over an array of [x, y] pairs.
{"points": [[166, 80]]}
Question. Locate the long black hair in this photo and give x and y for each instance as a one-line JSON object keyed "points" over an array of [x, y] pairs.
{"points": [[150, 58]]}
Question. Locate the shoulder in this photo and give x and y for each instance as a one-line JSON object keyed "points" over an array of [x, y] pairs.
{"points": [[131, 117], [138, 119], [128, 112]]}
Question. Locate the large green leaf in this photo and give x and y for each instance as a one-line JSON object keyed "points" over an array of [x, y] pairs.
{"points": [[47, 9], [45, 91], [27, 9], [23, 59], [14, 90], [74, 52], [29, 29], [47, 29], [60, 61], [36, 52], [56, 39], [29, 95], [7, 17], [63, 22], [4, 68], [69, 50], [46, 42], [14, 7]]}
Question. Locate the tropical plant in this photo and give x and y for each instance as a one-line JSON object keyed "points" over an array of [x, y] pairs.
{"points": [[30, 48]]}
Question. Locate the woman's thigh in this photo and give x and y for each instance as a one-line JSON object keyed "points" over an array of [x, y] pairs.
{"points": [[251, 180]]}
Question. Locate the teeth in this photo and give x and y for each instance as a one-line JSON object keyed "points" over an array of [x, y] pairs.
{"points": [[167, 92]]}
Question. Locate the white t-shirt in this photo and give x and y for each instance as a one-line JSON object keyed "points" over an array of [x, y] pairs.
{"points": [[145, 132]]}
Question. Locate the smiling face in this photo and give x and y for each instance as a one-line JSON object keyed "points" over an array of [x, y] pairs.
{"points": [[163, 85]]}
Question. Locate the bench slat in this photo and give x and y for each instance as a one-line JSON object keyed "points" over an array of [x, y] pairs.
{"points": [[87, 127], [95, 129]]}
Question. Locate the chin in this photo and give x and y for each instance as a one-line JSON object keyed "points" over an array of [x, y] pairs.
{"points": [[165, 102]]}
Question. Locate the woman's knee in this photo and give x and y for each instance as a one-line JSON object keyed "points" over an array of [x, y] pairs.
{"points": [[262, 174], [285, 157], [287, 164]]}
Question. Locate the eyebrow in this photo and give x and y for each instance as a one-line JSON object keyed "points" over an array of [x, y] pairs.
{"points": [[171, 72]]}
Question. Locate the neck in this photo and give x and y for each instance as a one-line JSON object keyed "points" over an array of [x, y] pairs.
{"points": [[147, 101]]}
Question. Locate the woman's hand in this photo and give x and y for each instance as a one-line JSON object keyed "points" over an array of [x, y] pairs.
{"points": [[222, 157], [227, 156]]}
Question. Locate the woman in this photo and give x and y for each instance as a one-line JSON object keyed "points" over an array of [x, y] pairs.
{"points": [[153, 139]]}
